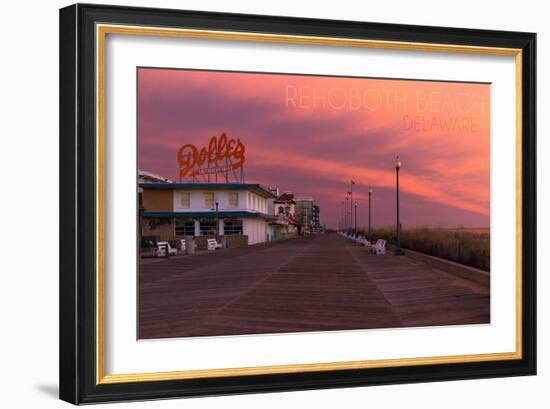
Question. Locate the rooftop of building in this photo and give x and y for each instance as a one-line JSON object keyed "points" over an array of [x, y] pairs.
{"points": [[285, 198], [252, 187], [222, 214]]}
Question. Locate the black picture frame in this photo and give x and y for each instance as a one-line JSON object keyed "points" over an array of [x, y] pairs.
{"points": [[78, 359]]}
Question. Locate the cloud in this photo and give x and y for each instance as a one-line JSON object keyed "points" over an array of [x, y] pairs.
{"points": [[315, 149]]}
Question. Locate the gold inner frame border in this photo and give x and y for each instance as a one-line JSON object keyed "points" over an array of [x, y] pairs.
{"points": [[102, 30]]}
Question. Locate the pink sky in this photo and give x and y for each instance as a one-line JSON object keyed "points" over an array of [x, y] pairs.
{"points": [[311, 135]]}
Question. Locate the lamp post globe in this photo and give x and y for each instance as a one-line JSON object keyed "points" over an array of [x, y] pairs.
{"points": [[397, 163]]}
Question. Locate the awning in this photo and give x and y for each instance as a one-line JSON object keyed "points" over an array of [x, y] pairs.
{"points": [[221, 214]]}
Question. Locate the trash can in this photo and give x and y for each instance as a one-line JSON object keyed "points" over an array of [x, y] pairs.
{"points": [[190, 245]]}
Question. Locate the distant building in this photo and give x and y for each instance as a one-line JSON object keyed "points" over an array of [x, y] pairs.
{"points": [[308, 214], [285, 225], [315, 219], [304, 213], [285, 205]]}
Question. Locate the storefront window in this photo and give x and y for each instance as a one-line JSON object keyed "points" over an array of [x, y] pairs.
{"points": [[208, 227], [233, 227], [185, 227], [233, 199]]}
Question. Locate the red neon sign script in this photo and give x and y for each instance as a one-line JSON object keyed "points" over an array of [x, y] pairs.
{"points": [[195, 162]]}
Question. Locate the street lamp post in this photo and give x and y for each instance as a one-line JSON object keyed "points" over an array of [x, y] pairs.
{"points": [[351, 203], [342, 217], [355, 228], [398, 250], [370, 195], [350, 214], [347, 214], [217, 220]]}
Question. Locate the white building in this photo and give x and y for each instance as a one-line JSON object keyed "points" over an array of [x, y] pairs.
{"points": [[240, 212]]}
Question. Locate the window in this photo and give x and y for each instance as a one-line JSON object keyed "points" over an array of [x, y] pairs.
{"points": [[233, 227], [185, 227], [184, 199], [209, 200], [208, 227], [233, 199]]}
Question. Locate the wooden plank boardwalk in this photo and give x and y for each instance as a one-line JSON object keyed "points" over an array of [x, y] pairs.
{"points": [[318, 283]]}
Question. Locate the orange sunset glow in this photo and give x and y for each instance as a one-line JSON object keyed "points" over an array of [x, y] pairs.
{"points": [[312, 135]]}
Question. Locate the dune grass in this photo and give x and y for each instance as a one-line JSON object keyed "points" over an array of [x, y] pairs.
{"points": [[470, 247]]}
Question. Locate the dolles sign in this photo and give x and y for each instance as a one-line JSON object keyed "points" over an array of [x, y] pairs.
{"points": [[192, 160]]}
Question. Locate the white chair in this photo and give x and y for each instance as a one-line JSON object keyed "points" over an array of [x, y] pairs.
{"points": [[163, 246], [212, 244], [365, 242], [379, 247], [361, 240]]}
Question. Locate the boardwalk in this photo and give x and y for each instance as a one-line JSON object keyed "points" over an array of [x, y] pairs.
{"points": [[317, 283]]}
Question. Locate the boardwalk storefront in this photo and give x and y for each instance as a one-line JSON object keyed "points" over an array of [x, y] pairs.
{"points": [[236, 213], [285, 226]]}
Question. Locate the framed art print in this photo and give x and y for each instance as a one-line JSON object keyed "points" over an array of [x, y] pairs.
{"points": [[258, 203]]}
